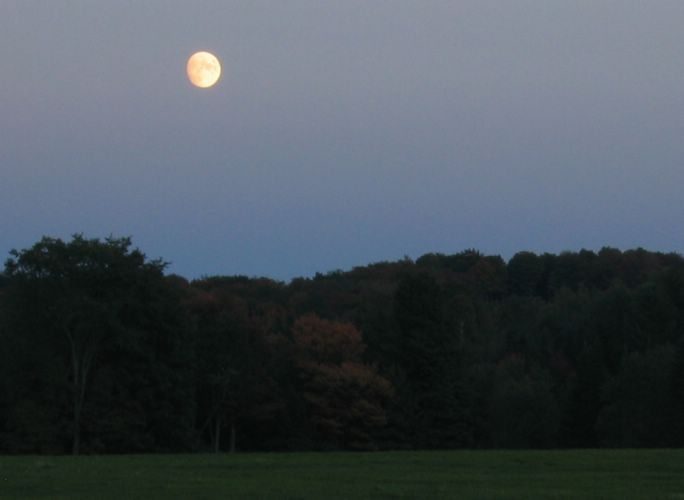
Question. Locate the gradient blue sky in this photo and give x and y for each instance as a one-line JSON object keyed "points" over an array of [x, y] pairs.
{"points": [[343, 132]]}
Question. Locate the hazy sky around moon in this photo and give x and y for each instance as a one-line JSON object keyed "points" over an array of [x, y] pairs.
{"points": [[348, 131]]}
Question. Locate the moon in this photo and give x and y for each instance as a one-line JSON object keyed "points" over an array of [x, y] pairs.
{"points": [[204, 69]]}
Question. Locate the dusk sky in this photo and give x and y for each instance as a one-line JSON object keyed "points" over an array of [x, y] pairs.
{"points": [[342, 132]]}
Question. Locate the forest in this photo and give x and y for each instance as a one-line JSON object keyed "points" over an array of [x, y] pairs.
{"points": [[103, 351]]}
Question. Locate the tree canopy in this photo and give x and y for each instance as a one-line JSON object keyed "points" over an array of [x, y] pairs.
{"points": [[103, 352]]}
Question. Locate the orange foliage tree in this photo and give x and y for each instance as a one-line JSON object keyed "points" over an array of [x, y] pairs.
{"points": [[346, 397]]}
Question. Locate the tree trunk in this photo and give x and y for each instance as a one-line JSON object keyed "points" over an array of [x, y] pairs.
{"points": [[79, 398], [232, 437], [217, 435], [76, 441], [78, 392]]}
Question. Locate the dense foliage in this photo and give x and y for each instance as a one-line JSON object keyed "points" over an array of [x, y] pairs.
{"points": [[103, 352]]}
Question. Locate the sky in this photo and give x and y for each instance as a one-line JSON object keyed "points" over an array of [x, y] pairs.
{"points": [[342, 132]]}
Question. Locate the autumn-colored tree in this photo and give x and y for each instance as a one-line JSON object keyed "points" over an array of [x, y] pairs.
{"points": [[346, 398], [327, 342]]}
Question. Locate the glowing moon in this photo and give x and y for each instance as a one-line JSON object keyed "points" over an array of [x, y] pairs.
{"points": [[204, 69]]}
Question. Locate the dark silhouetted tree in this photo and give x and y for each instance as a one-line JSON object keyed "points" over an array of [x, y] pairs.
{"points": [[72, 298]]}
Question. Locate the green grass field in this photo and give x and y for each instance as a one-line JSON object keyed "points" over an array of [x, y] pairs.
{"points": [[648, 474]]}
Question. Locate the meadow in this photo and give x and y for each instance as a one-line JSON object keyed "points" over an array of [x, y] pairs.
{"points": [[624, 474]]}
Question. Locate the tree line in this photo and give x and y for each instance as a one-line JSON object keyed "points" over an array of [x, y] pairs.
{"points": [[102, 352]]}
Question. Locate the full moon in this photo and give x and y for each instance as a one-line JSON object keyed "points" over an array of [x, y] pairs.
{"points": [[204, 69]]}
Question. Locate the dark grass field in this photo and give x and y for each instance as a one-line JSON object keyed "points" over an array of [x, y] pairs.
{"points": [[623, 474]]}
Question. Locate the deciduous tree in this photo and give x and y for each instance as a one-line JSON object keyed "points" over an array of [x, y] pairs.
{"points": [[346, 397]]}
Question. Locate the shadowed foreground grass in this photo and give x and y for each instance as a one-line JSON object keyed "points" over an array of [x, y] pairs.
{"points": [[648, 474]]}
